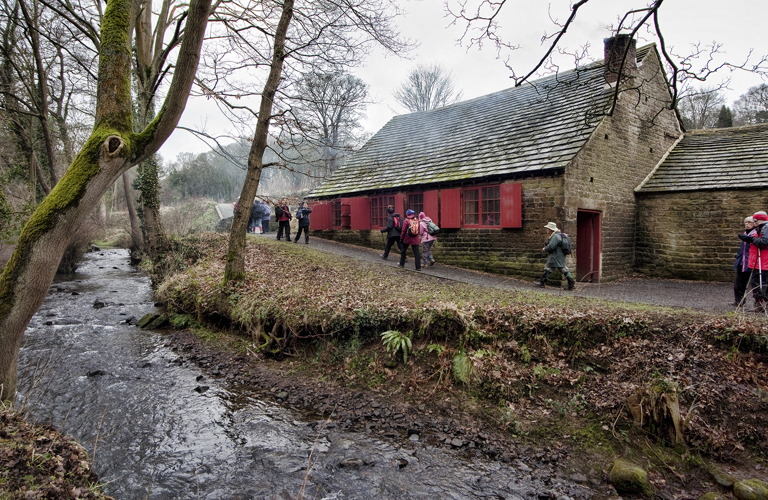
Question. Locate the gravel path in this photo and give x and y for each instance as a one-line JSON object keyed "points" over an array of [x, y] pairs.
{"points": [[705, 295]]}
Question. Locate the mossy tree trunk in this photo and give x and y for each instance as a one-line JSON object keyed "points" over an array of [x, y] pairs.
{"points": [[112, 148], [235, 269], [150, 59]]}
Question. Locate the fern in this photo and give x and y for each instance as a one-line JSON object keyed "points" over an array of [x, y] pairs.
{"points": [[463, 369], [395, 341]]}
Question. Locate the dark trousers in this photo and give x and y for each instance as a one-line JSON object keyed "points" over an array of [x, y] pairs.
{"points": [[284, 225], [264, 225], [416, 255], [306, 234], [740, 284], [758, 292], [391, 241]]}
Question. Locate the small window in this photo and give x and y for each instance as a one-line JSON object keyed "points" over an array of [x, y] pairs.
{"points": [[482, 207], [416, 202], [379, 206], [336, 208]]}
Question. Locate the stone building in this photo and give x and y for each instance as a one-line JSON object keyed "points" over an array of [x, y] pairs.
{"points": [[691, 207], [491, 171]]}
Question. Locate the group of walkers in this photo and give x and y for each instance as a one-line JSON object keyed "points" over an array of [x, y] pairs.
{"points": [[751, 264], [261, 213], [284, 216], [418, 233]]}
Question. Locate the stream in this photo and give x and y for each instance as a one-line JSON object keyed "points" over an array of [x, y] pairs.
{"points": [[153, 433]]}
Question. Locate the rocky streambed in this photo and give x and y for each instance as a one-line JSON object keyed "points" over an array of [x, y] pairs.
{"points": [[168, 416]]}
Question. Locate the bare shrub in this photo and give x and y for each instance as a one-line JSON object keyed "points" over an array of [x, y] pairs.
{"points": [[190, 217]]}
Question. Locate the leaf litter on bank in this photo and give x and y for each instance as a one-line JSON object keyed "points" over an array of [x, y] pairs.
{"points": [[594, 354]]}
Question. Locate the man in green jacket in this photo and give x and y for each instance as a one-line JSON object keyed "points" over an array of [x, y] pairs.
{"points": [[556, 258]]}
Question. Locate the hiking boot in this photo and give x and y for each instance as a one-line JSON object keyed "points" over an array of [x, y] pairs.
{"points": [[540, 284], [383, 257], [431, 261]]}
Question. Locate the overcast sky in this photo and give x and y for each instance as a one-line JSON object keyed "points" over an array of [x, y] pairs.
{"points": [[739, 25]]}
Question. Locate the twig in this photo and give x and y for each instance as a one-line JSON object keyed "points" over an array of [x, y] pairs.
{"points": [[98, 431]]}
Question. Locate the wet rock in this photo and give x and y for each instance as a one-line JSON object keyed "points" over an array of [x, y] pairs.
{"points": [[146, 319], [722, 478], [199, 378], [75, 293], [95, 373], [627, 477], [751, 489], [160, 322], [48, 323], [401, 463], [201, 388], [351, 463], [579, 478]]}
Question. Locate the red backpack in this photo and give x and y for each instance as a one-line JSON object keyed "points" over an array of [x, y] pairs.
{"points": [[413, 227], [396, 222]]}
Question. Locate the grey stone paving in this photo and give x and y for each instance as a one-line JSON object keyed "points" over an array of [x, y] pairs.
{"points": [[704, 295]]}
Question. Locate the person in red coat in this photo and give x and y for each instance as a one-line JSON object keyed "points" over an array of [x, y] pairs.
{"points": [[284, 220], [758, 259], [410, 237]]}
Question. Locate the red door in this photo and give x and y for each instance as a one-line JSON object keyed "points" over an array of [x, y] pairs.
{"points": [[588, 231]]}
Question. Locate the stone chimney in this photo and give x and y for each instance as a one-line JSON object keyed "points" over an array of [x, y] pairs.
{"points": [[614, 52]]}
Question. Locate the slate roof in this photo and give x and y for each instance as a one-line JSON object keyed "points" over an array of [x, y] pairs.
{"points": [[723, 158], [535, 127]]}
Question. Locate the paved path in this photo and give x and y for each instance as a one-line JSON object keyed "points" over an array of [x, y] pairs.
{"points": [[705, 295]]}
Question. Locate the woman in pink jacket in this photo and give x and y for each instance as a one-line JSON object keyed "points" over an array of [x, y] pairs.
{"points": [[427, 240]]}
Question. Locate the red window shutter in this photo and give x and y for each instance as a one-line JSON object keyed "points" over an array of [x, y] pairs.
{"points": [[431, 206], [400, 204], [450, 208], [322, 215], [360, 212], [512, 205]]}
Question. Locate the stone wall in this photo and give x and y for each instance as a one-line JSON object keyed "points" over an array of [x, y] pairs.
{"points": [[500, 251], [622, 151], [693, 234]]}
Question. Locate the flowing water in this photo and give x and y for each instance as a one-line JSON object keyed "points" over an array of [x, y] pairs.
{"points": [[117, 390]]}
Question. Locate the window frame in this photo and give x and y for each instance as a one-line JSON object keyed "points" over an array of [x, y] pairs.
{"points": [[482, 201], [383, 201], [419, 203], [336, 213]]}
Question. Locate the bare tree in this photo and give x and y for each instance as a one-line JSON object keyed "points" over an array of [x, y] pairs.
{"points": [[328, 107], [699, 109], [427, 87], [275, 42], [480, 19], [752, 107], [111, 149]]}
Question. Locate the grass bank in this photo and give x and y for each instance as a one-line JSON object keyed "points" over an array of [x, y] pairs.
{"points": [[677, 387]]}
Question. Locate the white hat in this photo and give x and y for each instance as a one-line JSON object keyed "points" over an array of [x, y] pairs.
{"points": [[551, 226]]}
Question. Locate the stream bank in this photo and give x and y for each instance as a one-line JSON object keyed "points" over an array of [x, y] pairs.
{"points": [[162, 417], [539, 378]]}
